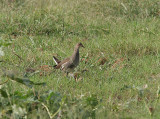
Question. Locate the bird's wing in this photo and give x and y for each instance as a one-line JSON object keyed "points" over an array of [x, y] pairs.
{"points": [[62, 63], [67, 65]]}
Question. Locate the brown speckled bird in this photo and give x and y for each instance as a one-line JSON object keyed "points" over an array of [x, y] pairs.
{"points": [[70, 63]]}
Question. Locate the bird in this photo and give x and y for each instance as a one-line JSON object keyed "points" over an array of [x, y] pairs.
{"points": [[69, 64]]}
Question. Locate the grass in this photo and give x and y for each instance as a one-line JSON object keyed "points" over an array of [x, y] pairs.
{"points": [[121, 58]]}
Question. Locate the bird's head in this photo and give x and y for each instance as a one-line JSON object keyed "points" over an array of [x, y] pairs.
{"points": [[80, 45]]}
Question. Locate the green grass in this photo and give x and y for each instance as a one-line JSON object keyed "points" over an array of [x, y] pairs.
{"points": [[125, 33]]}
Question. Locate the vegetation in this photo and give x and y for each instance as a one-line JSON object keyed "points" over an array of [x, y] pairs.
{"points": [[119, 72]]}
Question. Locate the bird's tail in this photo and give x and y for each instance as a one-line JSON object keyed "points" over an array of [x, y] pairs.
{"points": [[56, 60]]}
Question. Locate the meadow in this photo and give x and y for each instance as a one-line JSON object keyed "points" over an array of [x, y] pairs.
{"points": [[119, 72]]}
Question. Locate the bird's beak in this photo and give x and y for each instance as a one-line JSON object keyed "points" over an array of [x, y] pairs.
{"points": [[83, 46]]}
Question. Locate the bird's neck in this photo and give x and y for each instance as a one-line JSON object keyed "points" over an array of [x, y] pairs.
{"points": [[75, 55]]}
